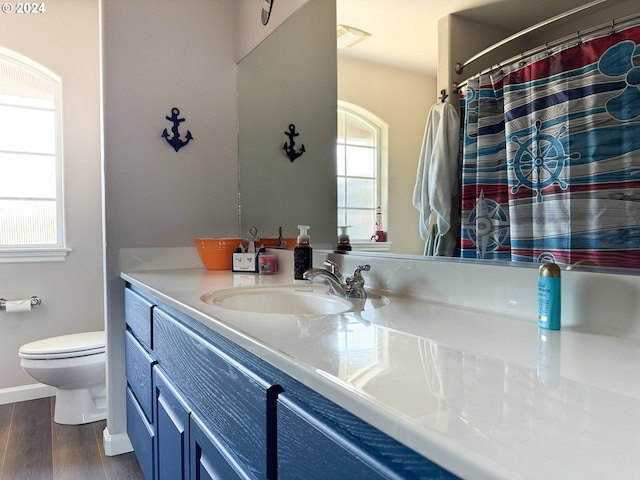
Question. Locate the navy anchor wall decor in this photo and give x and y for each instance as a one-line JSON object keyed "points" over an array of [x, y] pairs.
{"points": [[290, 148], [175, 141]]}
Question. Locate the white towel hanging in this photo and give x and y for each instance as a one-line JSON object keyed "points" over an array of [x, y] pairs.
{"points": [[437, 175]]}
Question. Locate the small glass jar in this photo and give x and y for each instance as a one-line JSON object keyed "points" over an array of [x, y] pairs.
{"points": [[267, 264]]}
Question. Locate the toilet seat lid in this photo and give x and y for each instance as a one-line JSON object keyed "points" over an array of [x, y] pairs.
{"points": [[74, 345]]}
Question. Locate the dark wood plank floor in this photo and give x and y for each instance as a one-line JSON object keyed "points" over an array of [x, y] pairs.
{"points": [[34, 447]]}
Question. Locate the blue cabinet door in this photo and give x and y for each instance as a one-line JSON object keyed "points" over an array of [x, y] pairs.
{"points": [[233, 401], [172, 429], [141, 434], [209, 459]]}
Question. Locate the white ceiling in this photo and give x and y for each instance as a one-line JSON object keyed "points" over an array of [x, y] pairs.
{"points": [[405, 32]]}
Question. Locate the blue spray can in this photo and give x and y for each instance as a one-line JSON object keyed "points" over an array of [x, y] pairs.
{"points": [[549, 296]]}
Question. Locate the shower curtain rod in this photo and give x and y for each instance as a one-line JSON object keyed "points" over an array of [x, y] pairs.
{"points": [[579, 36], [460, 66]]}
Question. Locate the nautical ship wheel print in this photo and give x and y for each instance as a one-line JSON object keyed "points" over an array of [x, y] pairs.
{"points": [[487, 225], [539, 161], [546, 257]]}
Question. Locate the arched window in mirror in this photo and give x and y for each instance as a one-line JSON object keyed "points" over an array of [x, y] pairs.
{"points": [[361, 155], [31, 210]]}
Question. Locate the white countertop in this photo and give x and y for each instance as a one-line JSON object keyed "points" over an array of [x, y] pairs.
{"points": [[482, 395]]}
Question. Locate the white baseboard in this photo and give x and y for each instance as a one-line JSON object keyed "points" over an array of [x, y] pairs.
{"points": [[26, 392], [116, 444]]}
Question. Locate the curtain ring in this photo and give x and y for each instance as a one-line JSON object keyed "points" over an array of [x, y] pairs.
{"points": [[613, 26], [522, 62], [578, 37]]}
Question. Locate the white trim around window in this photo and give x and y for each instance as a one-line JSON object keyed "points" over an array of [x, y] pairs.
{"points": [[31, 96]]}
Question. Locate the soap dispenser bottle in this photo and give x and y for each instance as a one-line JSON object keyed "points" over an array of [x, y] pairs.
{"points": [[302, 260], [344, 244]]}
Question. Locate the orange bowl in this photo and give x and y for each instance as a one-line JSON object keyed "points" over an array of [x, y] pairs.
{"points": [[217, 253]]}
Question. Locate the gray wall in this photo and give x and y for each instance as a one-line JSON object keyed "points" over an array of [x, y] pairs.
{"points": [[156, 57]]}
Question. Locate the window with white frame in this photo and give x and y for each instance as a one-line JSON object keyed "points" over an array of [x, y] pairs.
{"points": [[361, 160], [31, 209]]}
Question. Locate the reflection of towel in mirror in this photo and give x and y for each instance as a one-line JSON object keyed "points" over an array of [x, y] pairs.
{"points": [[440, 245], [437, 175]]}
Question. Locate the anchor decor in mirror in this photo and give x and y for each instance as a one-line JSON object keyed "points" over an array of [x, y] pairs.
{"points": [[175, 141], [289, 148], [267, 5]]}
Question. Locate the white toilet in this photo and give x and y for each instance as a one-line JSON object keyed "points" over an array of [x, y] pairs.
{"points": [[75, 365]]}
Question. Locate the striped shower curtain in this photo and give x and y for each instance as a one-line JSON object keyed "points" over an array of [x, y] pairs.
{"points": [[551, 158]]}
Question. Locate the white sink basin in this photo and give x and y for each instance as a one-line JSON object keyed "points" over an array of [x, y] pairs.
{"points": [[279, 299]]}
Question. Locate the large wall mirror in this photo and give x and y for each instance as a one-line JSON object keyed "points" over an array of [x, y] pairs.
{"points": [[287, 80], [300, 57]]}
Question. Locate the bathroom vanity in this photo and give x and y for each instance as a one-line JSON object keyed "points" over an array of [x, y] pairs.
{"points": [[200, 406], [407, 388]]}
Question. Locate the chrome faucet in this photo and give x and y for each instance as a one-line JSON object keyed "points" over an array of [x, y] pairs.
{"points": [[352, 287], [333, 276]]}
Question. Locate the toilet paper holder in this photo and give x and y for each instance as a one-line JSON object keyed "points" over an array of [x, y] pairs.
{"points": [[35, 302]]}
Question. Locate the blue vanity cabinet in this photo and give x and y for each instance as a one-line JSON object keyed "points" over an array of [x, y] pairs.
{"points": [[139, 362], [172, 413], [221, 412], [234, 405]]}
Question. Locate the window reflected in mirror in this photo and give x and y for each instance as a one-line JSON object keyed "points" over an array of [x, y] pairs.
{"points": [[360, 155]]}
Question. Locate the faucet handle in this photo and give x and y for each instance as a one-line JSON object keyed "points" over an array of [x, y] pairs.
{"points": [[333, 268], [361, 268], [355, 283]]}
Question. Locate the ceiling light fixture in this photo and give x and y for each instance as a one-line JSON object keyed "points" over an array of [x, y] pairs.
{"points": [[349, 36]]}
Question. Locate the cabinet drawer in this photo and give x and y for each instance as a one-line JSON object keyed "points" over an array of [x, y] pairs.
{"points": [[141, 435], [310, 447], [137, 314], [235, 404], [138, 370]]}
